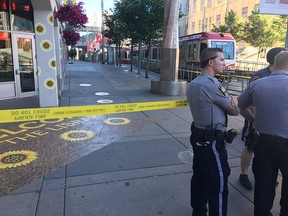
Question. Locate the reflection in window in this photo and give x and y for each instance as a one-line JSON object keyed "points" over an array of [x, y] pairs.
{"points": [[4, 15], [6, 64], [26, 69], [226, 46], [22, 15]]}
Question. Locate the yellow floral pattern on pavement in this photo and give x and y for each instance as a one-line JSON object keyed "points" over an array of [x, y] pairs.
{"points": [[77, 135], [14, 159], [117, 121]]}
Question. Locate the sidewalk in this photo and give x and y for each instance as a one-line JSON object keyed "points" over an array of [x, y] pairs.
{"points": [[137, 165]]}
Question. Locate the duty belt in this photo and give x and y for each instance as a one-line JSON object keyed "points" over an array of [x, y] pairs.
{"points": [[273, 138], [209, 135]]}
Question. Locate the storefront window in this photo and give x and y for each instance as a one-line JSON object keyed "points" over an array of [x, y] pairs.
{"points": [[6, 61], [4, 15], [22, 15]]}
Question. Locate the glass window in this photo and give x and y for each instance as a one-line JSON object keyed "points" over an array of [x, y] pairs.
{"points": [[202, 4], [182, 52], [226, 46], [245, 12], [190, 51], [6, 61], [154, 52], [22, 15], [209, 3], [194, 51], [218, 20], [193, 27], [4, 15]]}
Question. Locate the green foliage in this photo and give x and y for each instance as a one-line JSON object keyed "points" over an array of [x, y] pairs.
{"points": [[233, 25], [72, 53], [258, 30], [264, 30], [144, 19]]}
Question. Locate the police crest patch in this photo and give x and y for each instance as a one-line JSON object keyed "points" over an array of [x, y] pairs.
{"points": [[222, 90]]}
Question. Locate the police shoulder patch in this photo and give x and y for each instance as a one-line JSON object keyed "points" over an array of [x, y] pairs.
{"points": [[222, 90]]}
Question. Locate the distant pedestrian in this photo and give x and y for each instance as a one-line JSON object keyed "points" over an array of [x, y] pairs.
{"points": [[248, 129], [210, 103], [269, 97]]}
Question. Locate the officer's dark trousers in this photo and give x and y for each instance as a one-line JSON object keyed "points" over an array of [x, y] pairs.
{"points": [[209, 180], [270, 156]]}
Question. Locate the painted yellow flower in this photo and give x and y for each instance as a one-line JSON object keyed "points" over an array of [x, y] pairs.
{"points": [[40, 28], [49, 83], [13, 159], [77, 135], [117, 121]]}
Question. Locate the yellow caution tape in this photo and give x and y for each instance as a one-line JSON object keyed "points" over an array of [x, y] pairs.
{"points": [[219, 75], [18, 115]]}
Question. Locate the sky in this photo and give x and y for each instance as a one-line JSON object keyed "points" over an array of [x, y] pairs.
{"points": [[91, 6]]}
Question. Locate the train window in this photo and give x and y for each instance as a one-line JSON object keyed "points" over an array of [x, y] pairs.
{"points": [[154, 53], [190, 51], [194, 51], [202, 47], [183, 52], [226, 46]]}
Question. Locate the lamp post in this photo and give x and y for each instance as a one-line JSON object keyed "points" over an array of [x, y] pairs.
{"points": [[102, 29]]}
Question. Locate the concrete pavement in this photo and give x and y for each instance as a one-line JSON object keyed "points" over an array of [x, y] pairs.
{"points": [[142, 173]]}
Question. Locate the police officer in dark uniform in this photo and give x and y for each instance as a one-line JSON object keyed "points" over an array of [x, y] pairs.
{"points": [[210, 104], [269, 97], [248, 129]]}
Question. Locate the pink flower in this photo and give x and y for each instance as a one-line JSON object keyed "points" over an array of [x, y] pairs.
{"points": [[72, 14], [71, 37]]}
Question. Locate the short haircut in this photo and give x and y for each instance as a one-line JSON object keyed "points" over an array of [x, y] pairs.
{"points": [[208, 54], [281, 61], [273, 52]]}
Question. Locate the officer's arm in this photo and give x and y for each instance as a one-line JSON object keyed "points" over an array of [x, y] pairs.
{"points": [[247, 114], [232, 108]]}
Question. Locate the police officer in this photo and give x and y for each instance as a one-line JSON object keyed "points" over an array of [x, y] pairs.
{"points": [[269, 96], [210, 104], [248, 129]]}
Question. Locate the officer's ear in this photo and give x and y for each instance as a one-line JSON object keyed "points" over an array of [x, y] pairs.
{"points": [[211, 60]]}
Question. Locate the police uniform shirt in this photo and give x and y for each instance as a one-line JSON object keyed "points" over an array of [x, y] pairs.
{"points": [[261, 73], [207, 100], [269, 96]]}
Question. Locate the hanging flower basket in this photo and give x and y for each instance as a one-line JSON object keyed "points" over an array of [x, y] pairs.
{"points": [[72, 14], [71, 37]]}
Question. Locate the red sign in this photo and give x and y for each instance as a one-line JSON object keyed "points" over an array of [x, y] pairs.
{"points": [[4, 36], [97, 43]]}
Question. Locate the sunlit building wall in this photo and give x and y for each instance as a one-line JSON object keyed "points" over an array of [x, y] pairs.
{"points": [[202, 14]]}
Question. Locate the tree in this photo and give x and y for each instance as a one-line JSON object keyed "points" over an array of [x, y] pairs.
{"points": [[262, 31], [233, 25], [115, 32], [72, 53], [143, 19]]}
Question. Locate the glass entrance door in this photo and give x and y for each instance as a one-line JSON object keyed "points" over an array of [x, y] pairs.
{"points": [[24, 65]]}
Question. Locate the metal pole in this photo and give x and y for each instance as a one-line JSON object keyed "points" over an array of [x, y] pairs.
{"points": [[102, 15]]}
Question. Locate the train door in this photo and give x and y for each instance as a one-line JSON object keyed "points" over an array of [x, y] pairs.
{"points": [[203, 45], [182, 52], [192, 51]]}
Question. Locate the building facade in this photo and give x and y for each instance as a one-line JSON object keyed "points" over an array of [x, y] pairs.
{"points": [[32, 51], [202, 14]]}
